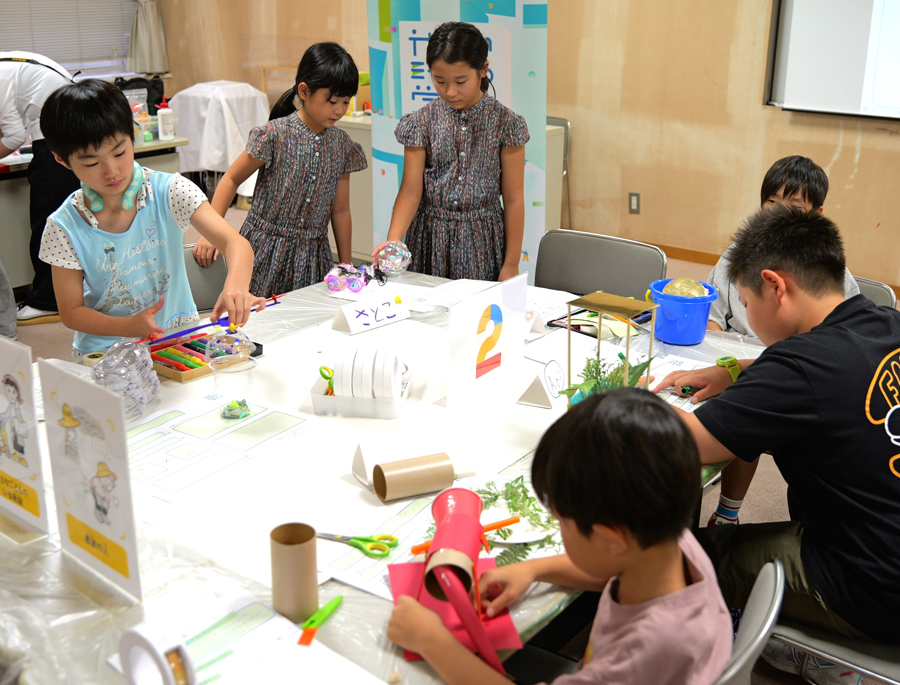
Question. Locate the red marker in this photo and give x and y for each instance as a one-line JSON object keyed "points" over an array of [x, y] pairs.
{"points": [[168, 362]]}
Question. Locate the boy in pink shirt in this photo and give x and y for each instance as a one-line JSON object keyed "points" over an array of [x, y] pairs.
{"points": [[621, 474]]}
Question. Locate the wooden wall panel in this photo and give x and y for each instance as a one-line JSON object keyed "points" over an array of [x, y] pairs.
{"points": [[230, 39], [665, 98]]}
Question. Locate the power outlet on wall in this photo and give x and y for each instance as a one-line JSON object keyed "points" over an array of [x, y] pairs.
{"points": [[634, 203]]}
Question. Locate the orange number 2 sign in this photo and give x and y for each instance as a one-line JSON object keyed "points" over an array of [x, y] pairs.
{"points": [[483, 363]]}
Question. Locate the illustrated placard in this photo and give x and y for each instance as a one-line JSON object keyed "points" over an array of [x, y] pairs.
{"points": [[86, 437], [21, 478]]}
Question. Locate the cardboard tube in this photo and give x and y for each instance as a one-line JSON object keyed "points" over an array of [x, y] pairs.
{"points": [[454, 560], [295, 583], [409, 477]]}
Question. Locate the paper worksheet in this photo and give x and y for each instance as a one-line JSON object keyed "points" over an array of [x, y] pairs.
{"points": [[173, 449], [547, 304], [663, 367], [448, 294], [245, 641]]}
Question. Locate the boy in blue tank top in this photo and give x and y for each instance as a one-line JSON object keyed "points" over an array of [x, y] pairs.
{"points": [[116, 245]]}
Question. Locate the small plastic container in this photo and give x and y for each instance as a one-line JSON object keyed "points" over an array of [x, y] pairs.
{"points": [[681, 320], [128, 371], [333, 405], [234, 380]]}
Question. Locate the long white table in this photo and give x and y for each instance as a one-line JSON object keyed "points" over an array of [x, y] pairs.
{"points": [[196, 551]]}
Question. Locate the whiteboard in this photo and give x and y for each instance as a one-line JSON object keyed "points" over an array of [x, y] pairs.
{"points": [[839, 56]]}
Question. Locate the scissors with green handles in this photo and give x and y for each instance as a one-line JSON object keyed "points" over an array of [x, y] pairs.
{"points": [[374, 546], [328, 375]]}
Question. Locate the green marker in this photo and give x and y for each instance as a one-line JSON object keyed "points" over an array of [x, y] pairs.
{"points": [[688, 390]]}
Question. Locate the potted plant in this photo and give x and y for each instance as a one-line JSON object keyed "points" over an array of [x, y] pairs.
{"points": [[599, 375]]}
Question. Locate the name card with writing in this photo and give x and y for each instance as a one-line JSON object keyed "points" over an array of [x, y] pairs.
{"points": [[369, 313]]}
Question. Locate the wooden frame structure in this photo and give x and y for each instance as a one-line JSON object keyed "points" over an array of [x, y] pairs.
{"points": [[616, 307]]}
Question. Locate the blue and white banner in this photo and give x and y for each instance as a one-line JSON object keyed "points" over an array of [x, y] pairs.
{"points": [[516, 31]]}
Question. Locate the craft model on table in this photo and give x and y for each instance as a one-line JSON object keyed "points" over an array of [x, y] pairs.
{"points": [[451, 569]]}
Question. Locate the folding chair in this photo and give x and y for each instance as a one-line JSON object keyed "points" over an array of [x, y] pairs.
{"points": [[582, 263]]}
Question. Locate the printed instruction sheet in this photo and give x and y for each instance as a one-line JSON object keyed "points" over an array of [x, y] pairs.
{"points": [[176, 448]]}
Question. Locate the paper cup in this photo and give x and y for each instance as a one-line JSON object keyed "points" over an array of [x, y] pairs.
{"points": [[295, 582]]}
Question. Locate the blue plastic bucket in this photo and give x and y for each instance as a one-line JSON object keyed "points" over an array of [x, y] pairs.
{"points": [[681, 320]]}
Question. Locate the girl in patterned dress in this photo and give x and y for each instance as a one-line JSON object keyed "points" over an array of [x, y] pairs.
{"points": [[304, 177], [462, 152]]}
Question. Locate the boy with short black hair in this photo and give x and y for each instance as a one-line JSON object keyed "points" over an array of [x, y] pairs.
{"points": [[620, 472], [819, 398], [791, 181], [121, 234], [795, 181]]}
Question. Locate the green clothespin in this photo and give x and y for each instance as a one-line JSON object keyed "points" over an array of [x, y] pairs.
{"points": [[317, 619]]}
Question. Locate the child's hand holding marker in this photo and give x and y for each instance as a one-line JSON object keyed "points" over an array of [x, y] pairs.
{"points": [[699, 384]]}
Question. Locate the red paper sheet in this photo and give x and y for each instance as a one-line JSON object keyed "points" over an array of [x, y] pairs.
{"points": [[406, 579]]}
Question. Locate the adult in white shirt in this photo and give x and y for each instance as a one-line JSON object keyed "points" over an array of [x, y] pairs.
{"points": [[26, 80]]}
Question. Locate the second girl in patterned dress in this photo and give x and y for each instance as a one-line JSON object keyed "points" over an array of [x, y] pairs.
{"points": [[304, 179], [463, 152]]}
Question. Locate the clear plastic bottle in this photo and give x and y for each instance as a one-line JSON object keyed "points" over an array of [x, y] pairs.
{"points": [[127, 370], [166, 121]]}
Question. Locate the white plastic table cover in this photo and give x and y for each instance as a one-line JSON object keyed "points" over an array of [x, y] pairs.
{"points": [[62, 628], [217, 118]]}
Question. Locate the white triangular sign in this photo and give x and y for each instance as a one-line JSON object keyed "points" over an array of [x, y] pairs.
{"points": [[536, 395]]}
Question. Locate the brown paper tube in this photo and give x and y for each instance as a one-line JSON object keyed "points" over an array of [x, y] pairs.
{"points": [[295, 582], [410, 477], [457, 561]]}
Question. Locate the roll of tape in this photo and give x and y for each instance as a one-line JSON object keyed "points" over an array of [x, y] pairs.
{"points": [[390, 383], [92, 358], [148, 658], [358, 366], [368, 365], [377, 371], [386, 384], [346, 375]]}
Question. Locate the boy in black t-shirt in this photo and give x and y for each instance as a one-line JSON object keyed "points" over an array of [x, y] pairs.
{"points": [[821, 399]]}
